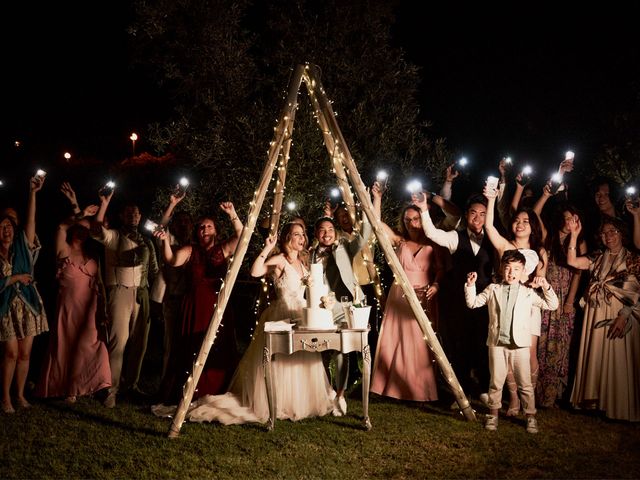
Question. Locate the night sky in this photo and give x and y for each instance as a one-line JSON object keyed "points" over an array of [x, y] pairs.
{"points": [[531, 86]]}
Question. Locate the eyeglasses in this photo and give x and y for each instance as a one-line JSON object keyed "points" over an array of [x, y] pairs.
{"points": [[606, 233]]}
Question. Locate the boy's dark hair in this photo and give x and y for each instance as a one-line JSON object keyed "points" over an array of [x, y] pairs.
{"points": [[512, 256]]}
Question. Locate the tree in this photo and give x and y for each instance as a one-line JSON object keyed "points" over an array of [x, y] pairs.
{"points": [[226, 64]]}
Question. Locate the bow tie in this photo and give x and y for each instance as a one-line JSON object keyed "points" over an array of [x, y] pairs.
{"points": [[477, 237], [322, 251]]}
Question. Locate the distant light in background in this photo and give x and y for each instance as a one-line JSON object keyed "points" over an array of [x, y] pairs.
{"points": [[291, 206], [67, 156], [133, 138]]}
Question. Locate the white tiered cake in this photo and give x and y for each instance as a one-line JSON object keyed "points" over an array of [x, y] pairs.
{"points": [[315, 316]]}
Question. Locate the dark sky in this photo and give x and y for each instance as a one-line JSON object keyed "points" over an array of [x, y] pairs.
{"points": [[531, 85]]}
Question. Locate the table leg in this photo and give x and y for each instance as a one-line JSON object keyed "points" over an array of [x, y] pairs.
{"points": [[366, 381], [268, 378]]}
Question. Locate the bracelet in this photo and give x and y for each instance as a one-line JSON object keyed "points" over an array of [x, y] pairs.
{"points": [[234, 218]]}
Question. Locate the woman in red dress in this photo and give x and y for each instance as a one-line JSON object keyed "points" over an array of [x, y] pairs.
{"points": [[206, 266]]}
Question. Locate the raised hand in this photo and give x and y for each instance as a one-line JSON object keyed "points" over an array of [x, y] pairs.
{"points": [[540, 282], [228, 208], [574, 225], [632, 207], [36, 183], [68, 192], [489, 192], [90, 210], [270, 242], [566, 166], [376, 190], [451, 174], [420, 200], [471, 278], [176, 197]]}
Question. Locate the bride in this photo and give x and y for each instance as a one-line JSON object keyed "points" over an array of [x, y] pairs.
{"points": [[301, 385]]}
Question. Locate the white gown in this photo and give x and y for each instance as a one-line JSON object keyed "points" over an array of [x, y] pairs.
{"points": [[300, 381]]}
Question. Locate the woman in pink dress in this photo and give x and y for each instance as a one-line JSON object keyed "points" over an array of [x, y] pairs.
{"points": [[404, 366], [77, 360]]}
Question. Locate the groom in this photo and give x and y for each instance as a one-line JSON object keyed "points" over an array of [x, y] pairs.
{"points": [[336, 255]]}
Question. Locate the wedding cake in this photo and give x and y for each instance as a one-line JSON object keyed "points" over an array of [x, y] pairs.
{"points": [[317, 314]]}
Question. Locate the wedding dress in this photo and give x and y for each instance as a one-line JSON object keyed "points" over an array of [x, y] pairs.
{"points": [[300, 382]]}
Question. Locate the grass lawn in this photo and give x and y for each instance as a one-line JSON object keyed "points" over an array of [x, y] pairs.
{"points": [[408, 440]]}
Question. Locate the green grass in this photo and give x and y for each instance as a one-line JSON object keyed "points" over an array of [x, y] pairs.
{"points": [[85, 440]]}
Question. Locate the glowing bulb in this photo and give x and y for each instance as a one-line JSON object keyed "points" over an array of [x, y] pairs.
{"points": [[67, 155], [291, 206], [556, 177], [463, 161], [508, 160], [527, 170], [414, 186], [133, 137], [184, 182], [335, 193], [631, 191], [382, 176], [111, 184], [569, 155]]}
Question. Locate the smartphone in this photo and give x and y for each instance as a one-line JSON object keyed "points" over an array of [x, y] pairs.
{"points": [[151, 226], [492, 182], [107, 189]]}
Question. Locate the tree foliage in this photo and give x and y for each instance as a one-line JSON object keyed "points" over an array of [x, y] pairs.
{"points": [[227, 64], [620, 159]]}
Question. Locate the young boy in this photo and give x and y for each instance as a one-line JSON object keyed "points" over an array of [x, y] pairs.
{"points": [[509, 338]]}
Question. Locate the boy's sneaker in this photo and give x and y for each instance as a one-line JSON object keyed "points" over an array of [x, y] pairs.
{"points": [[532, 425], [491, 423]]}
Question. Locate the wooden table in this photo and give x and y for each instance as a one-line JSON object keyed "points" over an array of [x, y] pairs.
{"points": [[345, 341]]}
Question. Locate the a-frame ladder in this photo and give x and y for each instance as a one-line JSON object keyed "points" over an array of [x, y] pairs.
{"points": [[346, 171]]}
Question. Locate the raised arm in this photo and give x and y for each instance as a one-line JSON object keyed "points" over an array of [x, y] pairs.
{"points": [[174, 200], [376, 194], [634, 210], [450, 175], [263, 263], [448, 240], [582, 262], [517, 194], [68, 192], [175, 258], [449, 208], [570, 299], [229, 246], [35, 184], [498, 241], [537, 208], [102, 211]]}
